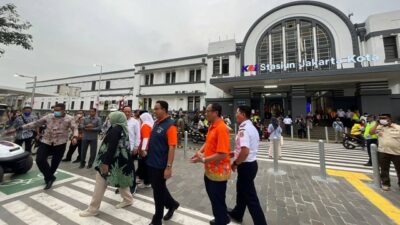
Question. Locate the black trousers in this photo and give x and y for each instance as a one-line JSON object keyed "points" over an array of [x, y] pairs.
{"points": [[28, 143], [384, 164], [246, 194], [133, 187], [216, 191], [162, 197], [301, 133], [72, 149], [288, 130], [142, 172], [93, 151], [43, 153], [369, 142]]}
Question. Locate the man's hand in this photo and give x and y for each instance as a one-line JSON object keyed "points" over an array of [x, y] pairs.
{"points": [[168, 173], [10, 132], [233, 167], [74, 141], [197, 157], [104, 169]]}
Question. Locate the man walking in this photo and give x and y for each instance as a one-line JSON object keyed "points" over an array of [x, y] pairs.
{"points": [[91, 127], [78, 120], [288, 123], [24, 136], [246, 146], [389, 149], [54, 140], [215, 156], [134, 139], [338, 127], [162, 144]]}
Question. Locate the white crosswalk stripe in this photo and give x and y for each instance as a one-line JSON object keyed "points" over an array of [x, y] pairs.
{"points": [[307, 153], [63, 203], [28, 214]]}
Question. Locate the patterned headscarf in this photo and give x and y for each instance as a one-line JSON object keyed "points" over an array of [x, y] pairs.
{"points": [[118, 118]]}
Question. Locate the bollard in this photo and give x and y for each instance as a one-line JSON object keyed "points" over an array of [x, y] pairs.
{"points": [[326, 135], [235, 128], [322, 159], [275, 144], [375, 165], [308, 133], [291, 131], [185, 144]]}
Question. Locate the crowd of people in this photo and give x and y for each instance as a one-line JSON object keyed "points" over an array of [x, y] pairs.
{"points": [[128, 135]]}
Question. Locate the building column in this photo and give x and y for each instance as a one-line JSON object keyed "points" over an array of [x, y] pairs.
{"points": [[298, 101], [374, 97]]}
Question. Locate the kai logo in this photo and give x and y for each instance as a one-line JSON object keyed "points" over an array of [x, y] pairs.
{"points": [[250, 68]]}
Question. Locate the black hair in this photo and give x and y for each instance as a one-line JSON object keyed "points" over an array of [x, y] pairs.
{"points": [[164, 105], [217, 108], [387, 115], [127, 106], [142, 111], [93, 109], [246, 110], [60, 105]]}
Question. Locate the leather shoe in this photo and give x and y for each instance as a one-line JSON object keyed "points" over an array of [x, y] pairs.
{"points": [[89, 167], [81, 166], [170, 212], [49, 184], [233, 217], [212, 222], [66, 160]]}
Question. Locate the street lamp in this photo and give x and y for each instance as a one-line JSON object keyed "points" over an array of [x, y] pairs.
{"points": [[34, 85], [98, 92]]}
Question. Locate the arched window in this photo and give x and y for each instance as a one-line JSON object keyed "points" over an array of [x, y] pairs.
{"points": [[291, 43]]}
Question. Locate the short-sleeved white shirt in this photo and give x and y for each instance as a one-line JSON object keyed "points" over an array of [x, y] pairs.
{"points": [[248, 137]]}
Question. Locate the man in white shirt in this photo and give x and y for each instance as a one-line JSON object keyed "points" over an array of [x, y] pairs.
{"points": [[134, 138], [246, 146], [288, 123]]}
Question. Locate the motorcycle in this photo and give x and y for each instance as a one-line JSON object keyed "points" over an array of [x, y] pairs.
{"points": [[351, 141], [198, 136]]}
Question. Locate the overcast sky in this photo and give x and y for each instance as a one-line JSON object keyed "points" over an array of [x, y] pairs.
{"points": [[69, 36]]}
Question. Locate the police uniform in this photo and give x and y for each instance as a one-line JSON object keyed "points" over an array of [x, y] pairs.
{"points": [[247, 170]]}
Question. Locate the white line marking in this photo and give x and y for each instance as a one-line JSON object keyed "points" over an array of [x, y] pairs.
{"points": [[28, 214]]}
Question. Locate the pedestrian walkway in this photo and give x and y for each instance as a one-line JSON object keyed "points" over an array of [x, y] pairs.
{"points": [[307, 153], [62, 205]]}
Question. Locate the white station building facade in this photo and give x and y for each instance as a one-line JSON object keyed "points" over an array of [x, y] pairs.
{"points": [[300, 57]]}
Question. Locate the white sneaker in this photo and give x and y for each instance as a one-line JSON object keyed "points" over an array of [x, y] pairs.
{"points": [[123, 205], [144, 186], [87, 213], [385, 188]]}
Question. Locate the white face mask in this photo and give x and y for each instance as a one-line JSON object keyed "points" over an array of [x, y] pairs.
{"points": [[383, 122]]}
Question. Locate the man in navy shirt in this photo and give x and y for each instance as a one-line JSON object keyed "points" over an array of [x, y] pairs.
{"points": [[162, 144]]}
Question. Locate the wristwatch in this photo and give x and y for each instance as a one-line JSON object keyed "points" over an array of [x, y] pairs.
{"points": [[203, 160], [169, 165]]}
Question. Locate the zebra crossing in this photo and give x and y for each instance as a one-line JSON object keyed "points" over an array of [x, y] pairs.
{"points": [[62, 204], [307, 153]]}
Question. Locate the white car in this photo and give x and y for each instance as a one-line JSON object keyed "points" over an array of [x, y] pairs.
{"points": [[14, 159]]}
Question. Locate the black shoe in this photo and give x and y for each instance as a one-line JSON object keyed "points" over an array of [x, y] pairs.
{"points": [[233, 217], [117, 191], [81, 166], [212, 222], [170, 212], [89, 167], [49, 184], [368, 164], [76, 161], [66, 160]]}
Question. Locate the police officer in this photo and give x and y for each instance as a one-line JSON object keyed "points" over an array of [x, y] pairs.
{"points": [[245, 163]]}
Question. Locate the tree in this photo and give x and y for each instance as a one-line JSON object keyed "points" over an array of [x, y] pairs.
{"points": [[12, 29]]}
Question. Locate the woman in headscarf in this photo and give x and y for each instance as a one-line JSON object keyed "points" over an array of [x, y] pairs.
{"points": [[113, 165], [275, 131], [145, 131]]}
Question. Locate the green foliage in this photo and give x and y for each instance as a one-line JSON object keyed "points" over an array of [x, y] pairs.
{"points": [[12, 29]]}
